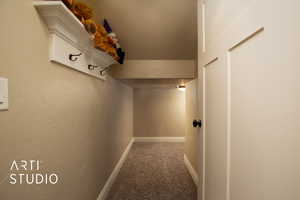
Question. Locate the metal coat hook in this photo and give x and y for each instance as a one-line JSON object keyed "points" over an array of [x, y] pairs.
{"points": [[74, 55], [103, 70], [92, 67]]}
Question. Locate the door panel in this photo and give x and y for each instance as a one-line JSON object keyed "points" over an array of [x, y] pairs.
{"points": [[265, 118], [252, 103], [215, 136]]}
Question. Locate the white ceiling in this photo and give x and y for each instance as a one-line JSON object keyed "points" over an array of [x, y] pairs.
{"points": [[153, 29]]}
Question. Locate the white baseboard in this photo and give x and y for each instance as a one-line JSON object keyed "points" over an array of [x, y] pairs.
{"points": [[191, 170], [159, 139], [104, 192]]}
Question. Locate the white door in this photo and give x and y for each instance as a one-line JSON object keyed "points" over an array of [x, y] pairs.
{"points": [[251, 90], [215, 131]]}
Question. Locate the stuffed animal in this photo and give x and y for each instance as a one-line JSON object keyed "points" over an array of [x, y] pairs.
{"points": [[90, 26], [112, 37], [82, 11], [68, 3], [102, 40]]}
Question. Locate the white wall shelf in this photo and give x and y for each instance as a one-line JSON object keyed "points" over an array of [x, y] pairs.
{"points": [[68, 36]]}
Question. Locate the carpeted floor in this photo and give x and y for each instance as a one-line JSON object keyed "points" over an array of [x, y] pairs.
{"points": [[154, 171]]}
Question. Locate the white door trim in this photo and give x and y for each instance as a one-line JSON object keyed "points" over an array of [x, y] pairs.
{"points": [[204, 133], [228, 145]]}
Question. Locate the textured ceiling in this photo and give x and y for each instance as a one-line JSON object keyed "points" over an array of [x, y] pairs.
{"points": [[153, 29]]}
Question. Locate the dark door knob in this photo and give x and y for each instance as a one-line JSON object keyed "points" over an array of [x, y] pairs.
{"points": [[197, 123]]}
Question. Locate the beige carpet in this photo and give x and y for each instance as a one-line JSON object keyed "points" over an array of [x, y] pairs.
{"points": [[154, 171]]}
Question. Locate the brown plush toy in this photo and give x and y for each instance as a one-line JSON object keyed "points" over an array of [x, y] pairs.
{"points": [[68, 3], [82, 11], [100, 36], [90, 26], [102, 42]]}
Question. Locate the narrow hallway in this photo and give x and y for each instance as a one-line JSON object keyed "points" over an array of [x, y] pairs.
{"points": [[154, 171], [149, 100]]}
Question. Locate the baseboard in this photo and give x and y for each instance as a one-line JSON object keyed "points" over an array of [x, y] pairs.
{"points": [[191, 170], [159, 139], [104, 192]]}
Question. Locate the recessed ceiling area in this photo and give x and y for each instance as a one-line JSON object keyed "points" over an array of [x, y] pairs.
{"points": [[155, 83], [153, 29]]}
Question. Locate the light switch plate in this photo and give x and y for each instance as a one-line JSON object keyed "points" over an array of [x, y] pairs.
{"points": [[3, 93]]}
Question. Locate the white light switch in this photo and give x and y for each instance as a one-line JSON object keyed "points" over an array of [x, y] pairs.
{"points": [[3, 93]]}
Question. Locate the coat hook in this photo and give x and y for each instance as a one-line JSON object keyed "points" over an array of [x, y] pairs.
{"points": [[92, 67], [103, 70], [74, 55]]}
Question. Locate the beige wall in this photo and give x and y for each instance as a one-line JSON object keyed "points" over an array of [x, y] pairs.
{"points": [[77, 125], [155, 69], [154, 83], [161, 29], [192, 134], [159, 112]]}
